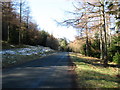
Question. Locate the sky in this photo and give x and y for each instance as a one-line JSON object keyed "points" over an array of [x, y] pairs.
{"points": [[44, 12]]}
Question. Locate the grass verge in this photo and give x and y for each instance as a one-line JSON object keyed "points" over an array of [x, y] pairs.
{"points": [[91, 73], [15, 58], [10, 60]]}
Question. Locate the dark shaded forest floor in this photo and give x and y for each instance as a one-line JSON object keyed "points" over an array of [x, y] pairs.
{"points": [[6, 45]]}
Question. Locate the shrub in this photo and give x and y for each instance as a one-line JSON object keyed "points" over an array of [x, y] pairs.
{"points": [[116, 58], [114, 48]]}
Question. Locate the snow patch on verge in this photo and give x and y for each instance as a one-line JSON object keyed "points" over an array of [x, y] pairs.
{"points": [[27, 51], [13, 56]]}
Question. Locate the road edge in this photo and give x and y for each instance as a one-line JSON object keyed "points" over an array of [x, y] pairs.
{"points": [[72, 67]]}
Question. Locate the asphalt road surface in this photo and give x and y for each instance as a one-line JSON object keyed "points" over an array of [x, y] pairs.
{"points": [[47, 72]]}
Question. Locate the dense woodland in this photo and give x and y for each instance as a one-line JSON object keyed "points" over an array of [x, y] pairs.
{"points": [[92, 20], [96, 38], [18, 27]]}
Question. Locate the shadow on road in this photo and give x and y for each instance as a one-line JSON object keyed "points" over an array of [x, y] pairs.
{"points": [[55, 71]]}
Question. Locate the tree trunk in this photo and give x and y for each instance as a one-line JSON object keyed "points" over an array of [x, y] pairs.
{"points": [[8, 22], [20, 21], [86, 26], [105, 37], [87, 48], [8, 39], [101, 38], [101, 45]]}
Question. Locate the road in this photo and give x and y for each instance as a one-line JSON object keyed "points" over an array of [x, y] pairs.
{"points": [[47, 72]]}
